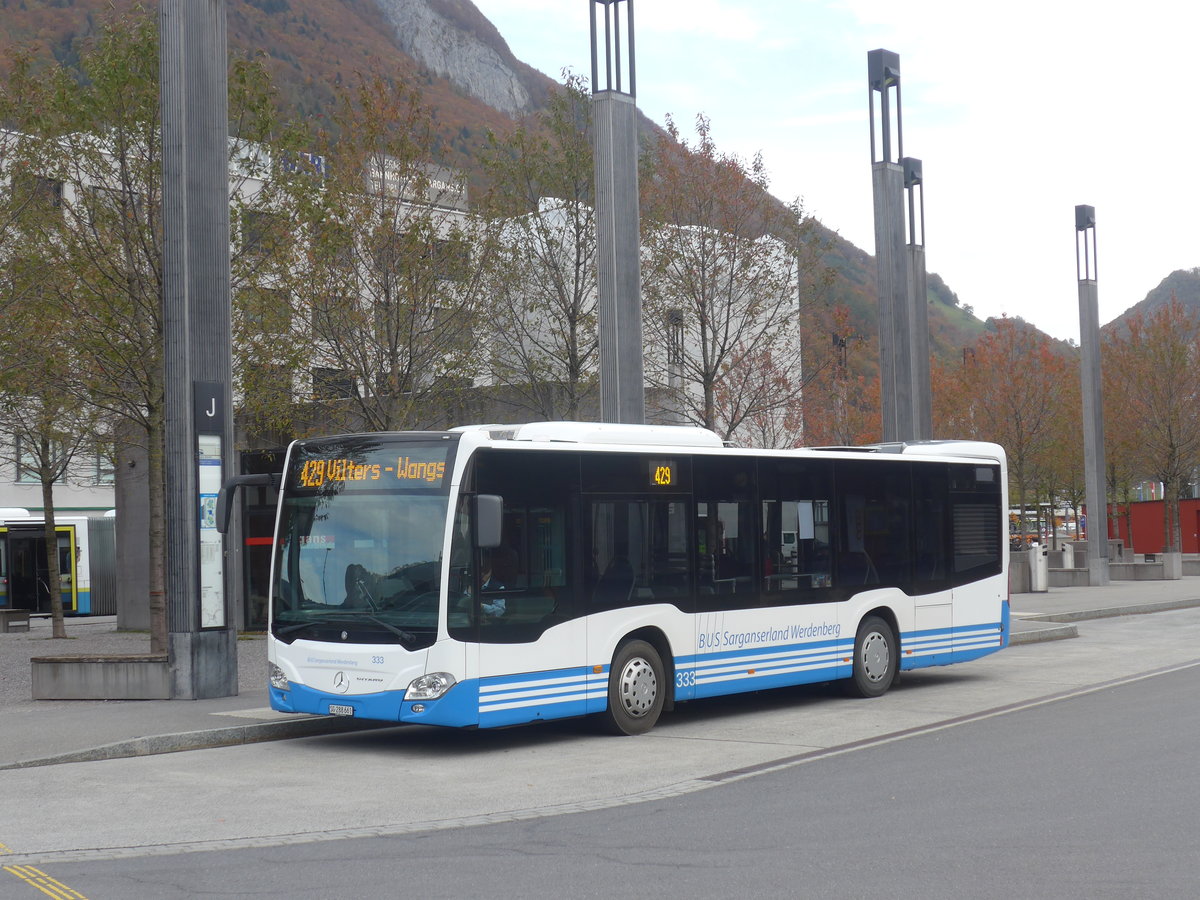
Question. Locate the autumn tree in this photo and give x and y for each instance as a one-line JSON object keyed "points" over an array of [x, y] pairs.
{"points": [[1059, 473], [96, 134], [1125, 464], [27, 201], [725, 272], [543, 277], [39, 411], [385, 284], [50, 428], [841, 406], [1009, 389], [1155, 383]]}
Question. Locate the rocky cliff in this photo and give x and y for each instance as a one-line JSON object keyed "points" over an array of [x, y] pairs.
{"points": [[452, 39]]}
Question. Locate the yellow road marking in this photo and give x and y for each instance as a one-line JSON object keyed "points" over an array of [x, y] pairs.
{"points": [[43, 882]]}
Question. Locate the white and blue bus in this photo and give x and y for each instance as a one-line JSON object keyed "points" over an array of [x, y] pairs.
{"points": [[496, 575]]}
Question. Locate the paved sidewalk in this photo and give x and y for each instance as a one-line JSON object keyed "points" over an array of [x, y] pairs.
{"points": [[47, 732]]}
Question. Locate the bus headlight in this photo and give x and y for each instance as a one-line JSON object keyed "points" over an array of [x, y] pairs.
{"points": [[278, 679], [430, 687]]}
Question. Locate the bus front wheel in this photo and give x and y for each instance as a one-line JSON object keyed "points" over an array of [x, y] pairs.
{"points": [[876, 659], [636, 689]]}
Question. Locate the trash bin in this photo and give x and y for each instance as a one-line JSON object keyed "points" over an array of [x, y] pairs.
{"points": [[1039, 568]]}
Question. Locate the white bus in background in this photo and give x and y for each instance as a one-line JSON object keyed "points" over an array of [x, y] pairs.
{"points": [[495, 575], [85, 555]]}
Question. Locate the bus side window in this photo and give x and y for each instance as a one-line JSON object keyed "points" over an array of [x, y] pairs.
{"points": [[727, 532], [876, 532], [530, 569], [638, 551], [795, 519]]}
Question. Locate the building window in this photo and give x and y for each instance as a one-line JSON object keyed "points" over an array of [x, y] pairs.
{"points": [[43, 193], [450, 259], [268, 310], [333, 384], [124, 203], [332, 318], [29, 461], [262, 232], [104, 470]]}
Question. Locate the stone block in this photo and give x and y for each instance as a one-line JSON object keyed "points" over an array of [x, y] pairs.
{"points": [[118, 677]]}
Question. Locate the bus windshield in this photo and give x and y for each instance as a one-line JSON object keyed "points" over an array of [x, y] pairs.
{"points": [[360, 542]]}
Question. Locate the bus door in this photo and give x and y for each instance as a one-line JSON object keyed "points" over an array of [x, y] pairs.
{"points": [[28, 584], [530, 637], [4, 568], [29, 573]]}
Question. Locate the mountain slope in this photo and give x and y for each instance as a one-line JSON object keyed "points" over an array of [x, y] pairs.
{"points": [[1182, 284]]}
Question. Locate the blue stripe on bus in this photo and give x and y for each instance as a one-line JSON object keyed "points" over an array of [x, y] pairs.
{"points": [[458, 707], [944, 646], [554, 694], [487, 702], [760, 668]]}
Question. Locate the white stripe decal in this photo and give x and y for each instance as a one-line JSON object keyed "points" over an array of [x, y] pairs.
{"points": [[548, 701], [532, 682], [499, 696]]}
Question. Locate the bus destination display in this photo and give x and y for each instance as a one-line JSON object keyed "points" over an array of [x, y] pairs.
{"points": [[419, 467]]}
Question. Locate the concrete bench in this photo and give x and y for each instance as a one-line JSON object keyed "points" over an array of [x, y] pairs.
{"points": [[14, 619], [114, 677]]}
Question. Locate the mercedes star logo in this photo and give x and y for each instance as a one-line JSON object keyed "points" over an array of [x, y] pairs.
{"points": [[341, 683]]}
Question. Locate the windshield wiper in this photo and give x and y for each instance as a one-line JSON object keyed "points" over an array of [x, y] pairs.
{"points": [[406, 636], [366, 594]]}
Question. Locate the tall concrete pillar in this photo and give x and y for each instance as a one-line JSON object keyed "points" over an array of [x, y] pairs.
{"points": [[202, 641], [917, 302], [1093, 405], [891, 257], [614, 120]]}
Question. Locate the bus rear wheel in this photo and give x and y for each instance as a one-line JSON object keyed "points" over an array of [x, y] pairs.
{"points": [[876, 659], [636, 689]]}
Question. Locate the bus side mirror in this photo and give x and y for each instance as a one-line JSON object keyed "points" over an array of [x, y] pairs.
{"points": [[489, 520], [225, 498]]}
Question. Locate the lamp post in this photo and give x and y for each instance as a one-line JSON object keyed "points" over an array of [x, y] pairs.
{"points": [[614, 117], [1093, 409], [921, 426], [891, 259]]}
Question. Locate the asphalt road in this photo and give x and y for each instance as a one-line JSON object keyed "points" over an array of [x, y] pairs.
{"points": [[1057, 770]]}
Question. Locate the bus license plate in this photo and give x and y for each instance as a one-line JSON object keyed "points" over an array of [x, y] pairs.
{"points": [[336, 710]]}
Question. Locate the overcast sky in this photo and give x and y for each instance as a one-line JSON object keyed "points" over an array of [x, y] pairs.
{"points": [[1019, 111]]}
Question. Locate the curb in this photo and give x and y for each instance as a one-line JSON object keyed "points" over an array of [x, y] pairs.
{"points": [[1112, 611], [230, 736], [1040, 633]]}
